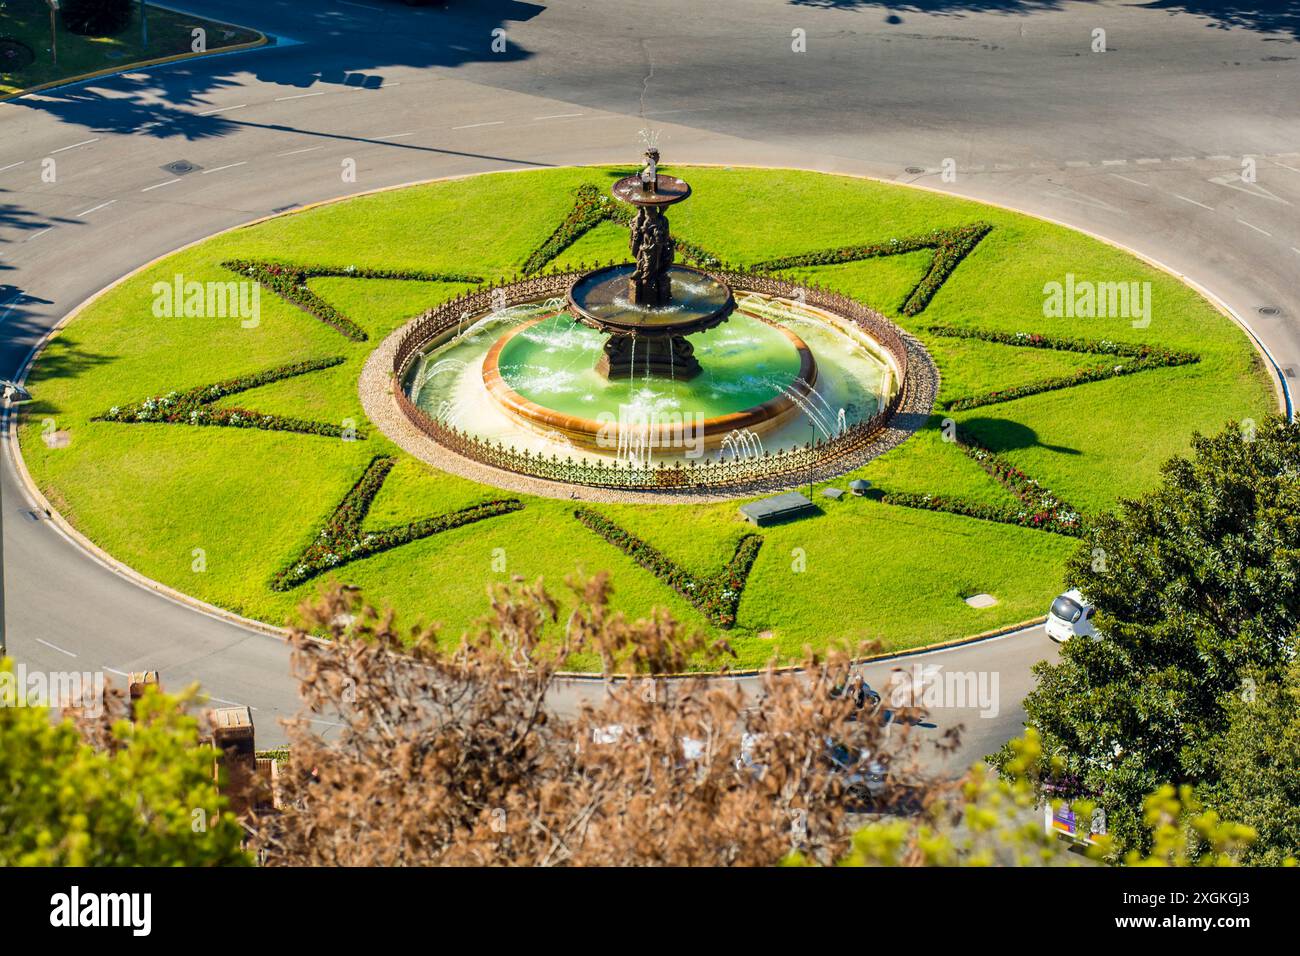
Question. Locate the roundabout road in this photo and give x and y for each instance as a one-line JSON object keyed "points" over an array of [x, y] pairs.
{"points": [[1143, 144]]}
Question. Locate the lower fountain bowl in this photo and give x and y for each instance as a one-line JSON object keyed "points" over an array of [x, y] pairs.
{"points": [[664, 432], [602, 300]]}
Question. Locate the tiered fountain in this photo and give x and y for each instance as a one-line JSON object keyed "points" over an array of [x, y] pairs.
{"points": [[649, 361], [646, 309]]}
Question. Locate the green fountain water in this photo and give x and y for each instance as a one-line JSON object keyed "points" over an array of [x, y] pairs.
{"points": [[746, 362]]}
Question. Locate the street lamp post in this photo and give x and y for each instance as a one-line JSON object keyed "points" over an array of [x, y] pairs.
{"points": [[54, 33]]}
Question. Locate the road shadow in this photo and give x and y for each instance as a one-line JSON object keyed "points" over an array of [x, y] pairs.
{"points": [[329, 51], [1261, 16]]}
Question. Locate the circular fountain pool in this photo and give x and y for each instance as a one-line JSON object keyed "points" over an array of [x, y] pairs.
{"points": [[776, 375]]}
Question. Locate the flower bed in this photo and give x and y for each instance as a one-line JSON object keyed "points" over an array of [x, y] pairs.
{"points": [[950, 247], [342, 540], [1042, 510], [716, 596], [289, 282], [1038, 519], [194, 406]]}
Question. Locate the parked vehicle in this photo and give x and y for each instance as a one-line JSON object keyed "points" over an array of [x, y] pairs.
{"points": [[1070, 616]]}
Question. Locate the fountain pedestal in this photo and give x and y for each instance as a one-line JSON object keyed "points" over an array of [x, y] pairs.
{"points": [[666, 357]]}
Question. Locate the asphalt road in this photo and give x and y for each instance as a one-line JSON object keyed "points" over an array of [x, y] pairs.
{"points": [[1143, 144]]}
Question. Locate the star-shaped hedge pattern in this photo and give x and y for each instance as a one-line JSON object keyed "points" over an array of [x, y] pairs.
{"points": [[344, 539]]}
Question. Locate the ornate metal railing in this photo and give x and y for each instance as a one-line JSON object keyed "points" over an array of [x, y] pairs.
{"points": [[713, 472]]}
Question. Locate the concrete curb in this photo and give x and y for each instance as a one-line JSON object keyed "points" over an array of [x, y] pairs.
{"points": [[103, 558], [262, 40]]}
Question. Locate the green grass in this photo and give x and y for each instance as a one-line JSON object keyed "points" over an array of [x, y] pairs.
{"points": [[169, 34], [151, 494]]}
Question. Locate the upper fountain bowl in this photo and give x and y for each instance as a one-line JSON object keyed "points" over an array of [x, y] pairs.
{"points": [[600, 299], [667, 191]]}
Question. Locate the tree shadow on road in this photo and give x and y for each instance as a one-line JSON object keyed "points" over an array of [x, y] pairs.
{"points": [[167, 103], [1258, 15]]}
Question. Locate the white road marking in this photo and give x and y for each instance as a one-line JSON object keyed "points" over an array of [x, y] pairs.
{"points": [[96, 208], [37, 235], [1127, 180], [1295, 250], [113, 670], [398, 135], [218, 169], [558, 116], [222, 700], [54, 647], [1182, 159], [1273, 161], [223, 109], [1114, 162], [327, 723], [299, 96], [1149, 160], [159, 185], [295, 152], [1256, 228], [1220, 158], [12, 165], [1076, 163], [1250, 189], [1192, 201], [477, 125], [63, 149]]}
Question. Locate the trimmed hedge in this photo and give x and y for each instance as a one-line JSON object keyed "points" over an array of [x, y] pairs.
{"points": [[1038, 520], [289, 282], [193, 406], [342, 540], [1042, 510], [1141, 357], [716, 596], [950, 247]]}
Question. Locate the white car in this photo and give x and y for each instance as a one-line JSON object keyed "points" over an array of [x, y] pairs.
{"points": [[1070, 616]]}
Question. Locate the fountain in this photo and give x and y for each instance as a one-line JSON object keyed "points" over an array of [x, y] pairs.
{"points": [[649, 361], [650, 302]]}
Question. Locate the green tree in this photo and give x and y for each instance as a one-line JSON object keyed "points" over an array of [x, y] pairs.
{"points": [[1257, 764], [1195, 583], [991, 820], [110, 791]]}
